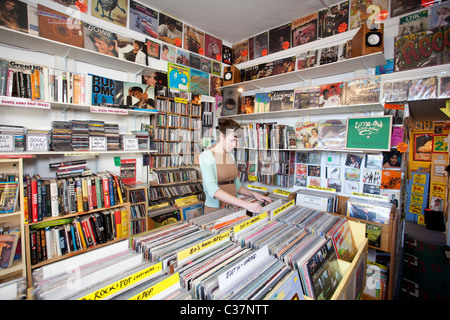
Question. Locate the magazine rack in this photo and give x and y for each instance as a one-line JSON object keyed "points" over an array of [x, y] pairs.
{"points": [[14, 219], [390, 235]]}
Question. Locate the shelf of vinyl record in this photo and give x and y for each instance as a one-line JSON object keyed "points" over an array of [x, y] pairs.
{"points": [[35, 43], [345, 109], [12, 219], [227, 227], [343, 66]]}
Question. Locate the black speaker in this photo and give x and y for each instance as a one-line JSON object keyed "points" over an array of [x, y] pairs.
{"points": [[231, 100]]}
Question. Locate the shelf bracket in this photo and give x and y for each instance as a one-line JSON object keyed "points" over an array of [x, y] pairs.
{"points": [[366, 67], [302, 79]]}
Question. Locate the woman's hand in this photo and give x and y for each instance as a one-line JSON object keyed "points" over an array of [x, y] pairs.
{"points": [[253, 207], [260, 197]]}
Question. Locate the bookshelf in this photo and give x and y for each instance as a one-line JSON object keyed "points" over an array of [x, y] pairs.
{"points": [[14, 219], [137, 195], [122, 231]]}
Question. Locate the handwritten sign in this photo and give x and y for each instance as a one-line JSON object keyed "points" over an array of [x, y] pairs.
{"points": [[6, 142], [249, 186], [130, 144], [37, 142], [19, 102], [260, 217], [196, 249], [97, 144], [109, 110], [123, 283], [369, 133], [283, 208], [172, 282]]}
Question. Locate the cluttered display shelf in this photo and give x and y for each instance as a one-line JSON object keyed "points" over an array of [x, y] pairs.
{"points": [[31, 42], [348, 65], [14, 219], [32, 154], [364, 108], [55, 258], [52, 105]]}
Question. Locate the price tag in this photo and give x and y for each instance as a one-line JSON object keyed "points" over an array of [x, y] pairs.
{"points": [[98, 144], [37, 142], [248, 223], [249, 186], [194, 250], [180, 100], [282, 192], [252, 178], [171, 282], [6, 142], [322, 188], [283, 208], [130, 144]]}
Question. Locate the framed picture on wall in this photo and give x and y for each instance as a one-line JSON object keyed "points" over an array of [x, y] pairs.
{"points": [[423, 145], [369, 133]]}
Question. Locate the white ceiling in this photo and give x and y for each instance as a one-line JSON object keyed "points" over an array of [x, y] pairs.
{"points": [[236, 20]]}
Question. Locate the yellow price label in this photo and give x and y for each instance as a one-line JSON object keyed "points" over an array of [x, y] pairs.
{"points": [[252, 178], [420, 178], [157, 206], [282, 192], [181, 100], [158, 288], [250, 222], [322, 188], [225, 236], [186, 199], [256, 187], [283, 207]]}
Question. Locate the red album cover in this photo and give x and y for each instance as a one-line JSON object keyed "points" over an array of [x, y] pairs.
{"points": [[304, 30], [213, 47]]}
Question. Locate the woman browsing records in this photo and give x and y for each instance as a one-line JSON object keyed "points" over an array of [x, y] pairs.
{"points": [[220, 175]]}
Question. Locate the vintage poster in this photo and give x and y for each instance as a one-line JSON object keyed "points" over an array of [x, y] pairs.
{"points": [[178, 77]]}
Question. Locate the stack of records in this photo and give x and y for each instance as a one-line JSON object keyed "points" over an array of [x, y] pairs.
{"points": [[113, 136], [220, 220], [324, 224], [318, 200], [19, 135], [267, 207], [163, 244], [80, 135], [370, 210], [96, 128], [61, 136]]}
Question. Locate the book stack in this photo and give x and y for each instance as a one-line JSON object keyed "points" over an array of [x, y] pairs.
{"points": [[113, 136], [77, 234], [61, 136], [71, 169], [80, 135], [58, 197]]}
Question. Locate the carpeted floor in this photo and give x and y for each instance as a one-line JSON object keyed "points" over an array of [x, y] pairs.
{"points": [[425, 270]]}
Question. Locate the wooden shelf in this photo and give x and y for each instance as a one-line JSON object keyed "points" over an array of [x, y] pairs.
{"points": [[343, 66], [34, 43]]}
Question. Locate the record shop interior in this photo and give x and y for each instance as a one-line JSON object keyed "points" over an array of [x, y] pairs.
{"points": [[163, 151]]}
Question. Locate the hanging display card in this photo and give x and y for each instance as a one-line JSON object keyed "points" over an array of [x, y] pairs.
{"points": [[369, 133], [416, 201]]}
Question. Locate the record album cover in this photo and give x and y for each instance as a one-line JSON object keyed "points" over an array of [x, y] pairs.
{"points": [[59, 27], [334, 20], [143, 19], [213, 47], [280, 38], [114, 12], [100, 40], [170, 30], [304, 30], [281, 100], [194, 40]]}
